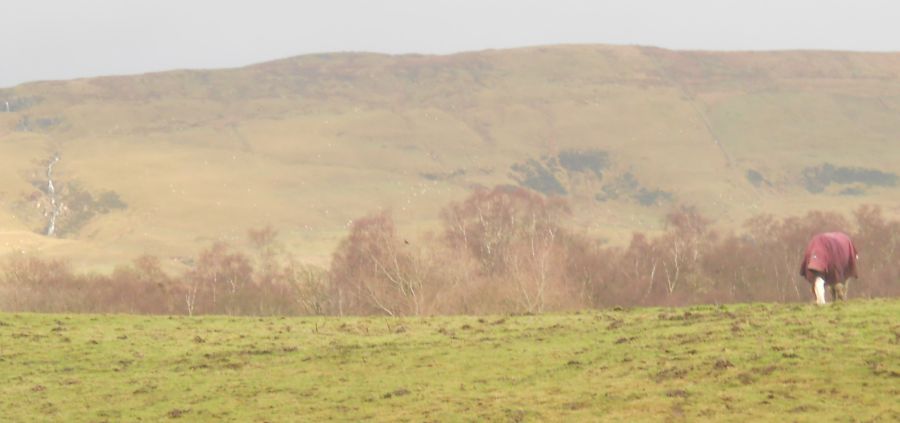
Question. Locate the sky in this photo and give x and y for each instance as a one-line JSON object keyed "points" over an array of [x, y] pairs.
{"points": [[65, 39]]}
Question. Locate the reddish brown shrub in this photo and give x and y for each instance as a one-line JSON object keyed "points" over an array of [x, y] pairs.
{"points": [[373, 271], [505, 250]]}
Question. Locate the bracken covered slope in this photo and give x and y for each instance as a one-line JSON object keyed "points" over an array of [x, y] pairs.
{"points": [[163, 163]]}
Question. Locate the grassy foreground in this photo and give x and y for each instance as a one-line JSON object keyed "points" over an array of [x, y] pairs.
{"points": [[737, 362]]}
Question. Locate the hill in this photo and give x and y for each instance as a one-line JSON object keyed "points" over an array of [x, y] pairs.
{"points": [[744, 362], [163, 163]]}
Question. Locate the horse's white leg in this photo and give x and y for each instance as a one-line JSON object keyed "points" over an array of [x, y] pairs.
{"points": [[820, 291]]}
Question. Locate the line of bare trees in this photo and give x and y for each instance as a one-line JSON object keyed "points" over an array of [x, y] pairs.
{"points": [[505, 250]]}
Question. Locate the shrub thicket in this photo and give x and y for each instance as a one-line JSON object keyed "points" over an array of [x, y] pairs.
{"points": [[506, 250]]}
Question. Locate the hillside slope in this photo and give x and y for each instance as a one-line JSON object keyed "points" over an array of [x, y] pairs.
{"points": [[163, 163]]}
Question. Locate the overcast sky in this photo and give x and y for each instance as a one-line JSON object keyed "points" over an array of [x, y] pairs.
{"points": [[61, 39]]}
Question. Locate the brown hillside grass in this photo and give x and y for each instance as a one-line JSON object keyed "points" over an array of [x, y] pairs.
{"points": [[310, 143]]}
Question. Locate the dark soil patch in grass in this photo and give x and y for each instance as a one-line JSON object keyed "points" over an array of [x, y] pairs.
{"points": [[805, 408], [722, 364], [177, 413], [677, 393], [396, 393], [672, 373]]}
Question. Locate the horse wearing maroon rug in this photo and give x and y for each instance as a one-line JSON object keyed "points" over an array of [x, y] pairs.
{"points": [[830, 259]]}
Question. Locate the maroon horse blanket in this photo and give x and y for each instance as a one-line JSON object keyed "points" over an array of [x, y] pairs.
{"points": [[831, 254]]}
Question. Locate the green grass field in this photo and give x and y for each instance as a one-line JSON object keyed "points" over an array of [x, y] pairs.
{"points": [[760, 362]]}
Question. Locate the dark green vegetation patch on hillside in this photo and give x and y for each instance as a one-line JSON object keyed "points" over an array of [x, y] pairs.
{"points": [[748, 362], [17, 104], [78, 206], [756, 178], [817, 179], [595, 161], [551, 174], [539, 176], [38, 124], [555, 175], [627, 186]]}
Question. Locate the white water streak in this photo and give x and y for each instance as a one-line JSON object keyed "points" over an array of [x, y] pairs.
{"points": [[54, 204]]}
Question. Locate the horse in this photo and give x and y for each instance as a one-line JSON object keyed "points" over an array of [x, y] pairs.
{"points": [[830, 259]]}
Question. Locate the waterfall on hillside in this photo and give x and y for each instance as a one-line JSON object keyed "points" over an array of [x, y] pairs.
{"points": [[51, 191]]}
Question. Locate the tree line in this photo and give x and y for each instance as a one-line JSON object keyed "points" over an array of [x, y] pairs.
{"points": [[501, 250]]}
